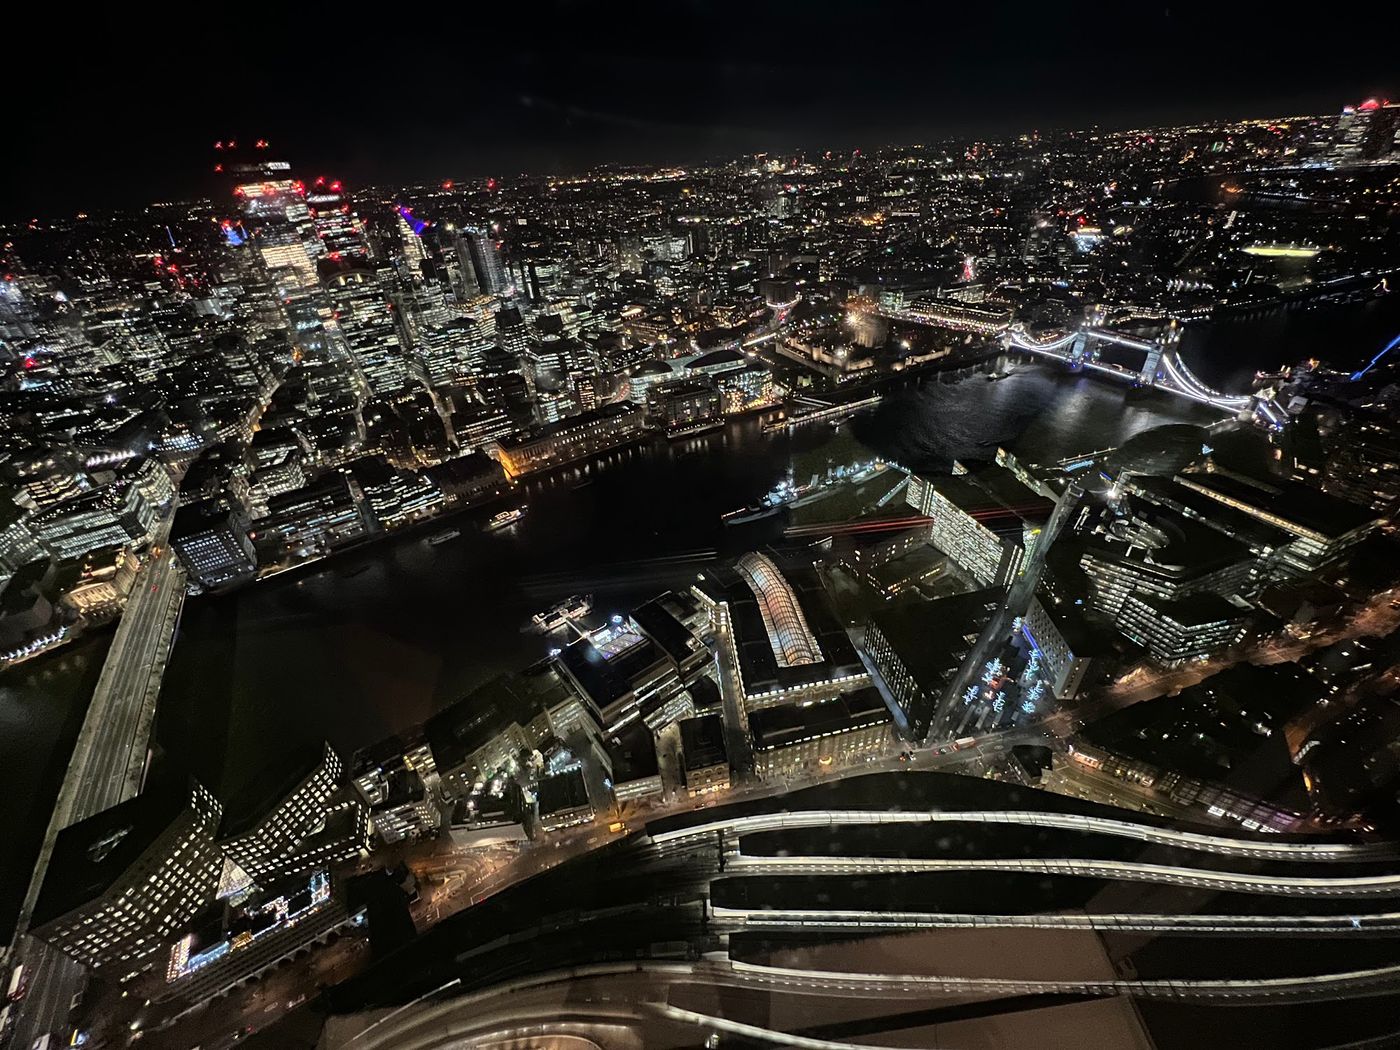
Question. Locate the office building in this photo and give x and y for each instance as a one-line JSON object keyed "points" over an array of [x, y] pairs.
{"points": [[1324, 526], [796, 738], [1220, 747], [1174, 631], [122, 882], [336, 225], [112, 515], [918, 648], [651, 660], [704, 757], [562, 800], [1066, 643], [1159, 553], [317, 517], [1367, 133], [392, 497], [212, 543], [987, 523], [569, 439], [393, 780], [479, 262], [291, 822], [494, 726], [685, 407], [776, 624], [276, 219], [18, 544], [364, 319], [635, 769]]}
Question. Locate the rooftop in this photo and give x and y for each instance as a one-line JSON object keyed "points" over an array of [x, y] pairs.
{"points": [[788, 724], [563, 791], [758, 661], [932, 638], [1298, 507], [89, 857], [702, 742], [633, 754], [1171, 543]]}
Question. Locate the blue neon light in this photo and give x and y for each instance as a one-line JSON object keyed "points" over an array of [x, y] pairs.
{"points": [[417, 225], [1031, 638], [1388, 348]]}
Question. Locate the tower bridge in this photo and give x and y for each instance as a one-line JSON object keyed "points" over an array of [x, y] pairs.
{"points": [[1162, 366], [1081, 349]]}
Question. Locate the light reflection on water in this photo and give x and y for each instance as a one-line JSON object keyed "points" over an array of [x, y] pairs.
{"points": [[356, 655]]}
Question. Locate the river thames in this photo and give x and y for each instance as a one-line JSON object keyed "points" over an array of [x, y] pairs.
{"points": [[373, 641]]}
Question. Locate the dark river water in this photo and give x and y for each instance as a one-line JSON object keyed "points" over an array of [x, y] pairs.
{"points": [[42, 703], [1226, 353], [377, 640], [374, 641]]}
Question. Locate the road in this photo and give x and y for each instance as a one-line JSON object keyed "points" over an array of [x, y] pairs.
{"points": [[223, 1022], [109, 760], [1376, 617], [54, 980], [737, 740]]}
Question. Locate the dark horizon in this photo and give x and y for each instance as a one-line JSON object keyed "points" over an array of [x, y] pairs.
{"points": [[118, 113]]}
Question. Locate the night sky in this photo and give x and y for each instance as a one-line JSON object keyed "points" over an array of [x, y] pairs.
{"points": [[123, 106]]}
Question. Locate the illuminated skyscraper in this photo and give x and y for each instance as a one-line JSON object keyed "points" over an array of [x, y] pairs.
{"points": [[512, 333], [467, 286], [365, 319], [411, 242], [274, 213], [1367, 132], [476, 247], [338, 228]]}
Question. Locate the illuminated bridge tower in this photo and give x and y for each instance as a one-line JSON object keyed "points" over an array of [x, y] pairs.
{"points": [[1165, 343], [1079, 350]]}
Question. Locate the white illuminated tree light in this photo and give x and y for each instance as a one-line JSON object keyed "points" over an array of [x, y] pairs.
{"points": [[970, 694]]}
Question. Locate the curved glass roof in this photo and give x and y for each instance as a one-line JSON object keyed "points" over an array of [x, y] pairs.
{"points": [[788, 633]]}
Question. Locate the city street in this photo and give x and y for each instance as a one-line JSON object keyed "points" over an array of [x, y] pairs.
{"points": [[107, 765], [1375, 618]]}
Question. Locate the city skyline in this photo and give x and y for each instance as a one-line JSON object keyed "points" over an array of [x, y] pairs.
{"points": [[694, 83], [920, 594]]}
